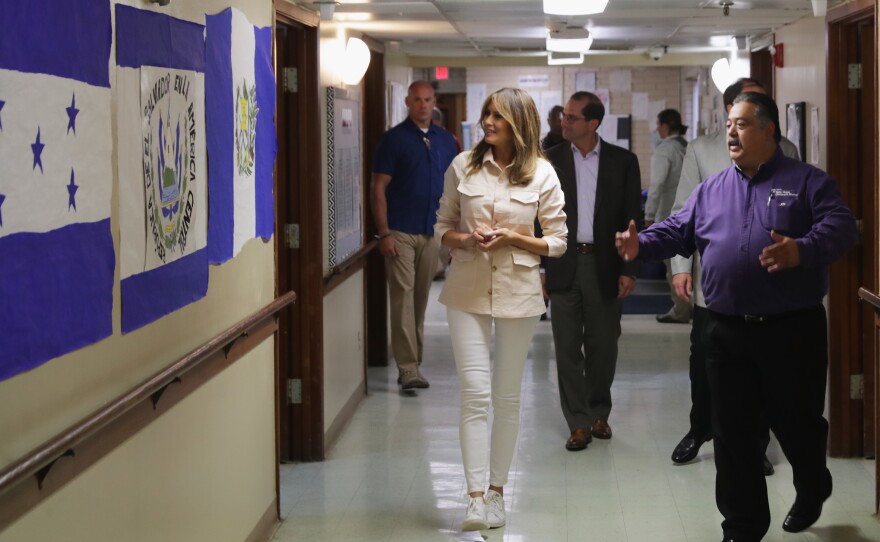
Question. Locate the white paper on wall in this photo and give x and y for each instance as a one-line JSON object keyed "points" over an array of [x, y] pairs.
{"points": [[640, 106], [621, 80], [585, 80]]}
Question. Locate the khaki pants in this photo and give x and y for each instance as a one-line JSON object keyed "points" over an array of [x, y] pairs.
{"points": [[409, 284]]}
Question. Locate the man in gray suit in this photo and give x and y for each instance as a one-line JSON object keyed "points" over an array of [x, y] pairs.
{"points": [[587, 284], [706, 156]]}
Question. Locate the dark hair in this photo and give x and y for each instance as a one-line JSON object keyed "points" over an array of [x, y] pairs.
{"points": [[734, 90], [672, 118], [594, 108], [765, 110], [555, 111]]}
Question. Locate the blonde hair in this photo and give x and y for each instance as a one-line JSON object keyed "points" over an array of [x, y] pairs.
{"points": [[518, 109]]}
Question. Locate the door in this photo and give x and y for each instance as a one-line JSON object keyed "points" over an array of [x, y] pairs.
{"points": [[299, 235], [852, 132]]}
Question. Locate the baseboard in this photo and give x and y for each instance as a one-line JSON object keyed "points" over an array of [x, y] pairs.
{"points": [[265, 527]]}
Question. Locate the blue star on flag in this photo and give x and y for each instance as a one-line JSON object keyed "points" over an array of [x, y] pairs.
{"points": [[2, 103], [37, 149], [2, 199], [71, 115], [71, 189]]}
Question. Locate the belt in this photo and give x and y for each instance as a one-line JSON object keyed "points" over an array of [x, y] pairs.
{"points": [[763, 318], [584, 248]]}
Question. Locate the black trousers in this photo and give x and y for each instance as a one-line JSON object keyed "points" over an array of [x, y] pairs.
{"points": [[777, 370], [701, 398]]}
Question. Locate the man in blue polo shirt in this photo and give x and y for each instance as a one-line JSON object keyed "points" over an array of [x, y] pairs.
{"points": [[408, 170], [766, 228]]}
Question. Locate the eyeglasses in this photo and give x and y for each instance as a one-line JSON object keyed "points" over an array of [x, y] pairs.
{"points": [[572, 118]]}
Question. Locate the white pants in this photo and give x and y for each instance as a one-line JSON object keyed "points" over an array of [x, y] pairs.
{"points": [[481, 385]]}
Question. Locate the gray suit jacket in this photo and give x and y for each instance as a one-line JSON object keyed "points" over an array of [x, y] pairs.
{"points": [[618, 200]]}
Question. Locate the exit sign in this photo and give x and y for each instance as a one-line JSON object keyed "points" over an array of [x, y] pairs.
{"points": [[441, 73]]}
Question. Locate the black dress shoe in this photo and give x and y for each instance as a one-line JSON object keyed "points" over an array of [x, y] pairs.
{"points": [[668, 319], [802, 515], [688, 449], [768, 467]]}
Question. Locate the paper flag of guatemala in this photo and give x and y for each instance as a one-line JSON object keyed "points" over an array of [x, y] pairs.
{"points": [[56, 249], [162, 165], [240, 105]]}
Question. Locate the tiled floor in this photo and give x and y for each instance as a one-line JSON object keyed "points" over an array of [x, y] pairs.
{"points": [[396, 475]]}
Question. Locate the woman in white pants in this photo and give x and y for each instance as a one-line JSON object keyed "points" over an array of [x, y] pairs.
{"points": [[492, 197]]}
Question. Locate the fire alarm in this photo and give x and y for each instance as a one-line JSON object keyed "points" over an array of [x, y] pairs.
{"points": [[777, 55]]}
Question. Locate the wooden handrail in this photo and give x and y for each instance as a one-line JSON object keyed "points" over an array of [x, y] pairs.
{"points": [[870, 297], [41, 458]]}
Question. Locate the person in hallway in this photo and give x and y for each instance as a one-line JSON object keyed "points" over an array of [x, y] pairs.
{"points": [[665, 172], [602, 187], [554, 136], [766, 229], [407, 183], [492, 197], [706, 156], [439, 120]]}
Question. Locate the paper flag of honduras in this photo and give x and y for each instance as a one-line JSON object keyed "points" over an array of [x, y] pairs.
{"points": [[56, 248], [162, 170], [240, 104]]}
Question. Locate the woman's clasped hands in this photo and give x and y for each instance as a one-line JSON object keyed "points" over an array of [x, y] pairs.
{"points": [[488, 239]]}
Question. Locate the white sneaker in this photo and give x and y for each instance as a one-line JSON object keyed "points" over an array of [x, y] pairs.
{"points": [[495, 509], [475, 519]]}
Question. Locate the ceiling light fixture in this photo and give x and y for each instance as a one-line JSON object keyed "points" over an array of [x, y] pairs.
{"points": [[571, 39], [558, 59], [820, 8], [326, 8], [572, 7]]}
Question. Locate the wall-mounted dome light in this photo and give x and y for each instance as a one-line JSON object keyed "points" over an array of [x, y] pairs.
{"points": [[357, 60]]}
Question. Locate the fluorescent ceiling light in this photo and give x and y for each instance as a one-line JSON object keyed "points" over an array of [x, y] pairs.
{"points": [[574, 7], [571, 39], [557, 59], [569, 45]]}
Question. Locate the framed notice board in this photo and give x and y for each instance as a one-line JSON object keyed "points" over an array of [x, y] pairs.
{"points": [[344, 171]]}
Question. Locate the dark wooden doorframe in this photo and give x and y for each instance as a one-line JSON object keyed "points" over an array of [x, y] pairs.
{"points": [[375, 285], [852, 138], [298, 201]]}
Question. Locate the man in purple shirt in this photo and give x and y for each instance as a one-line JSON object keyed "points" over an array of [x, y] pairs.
{"points": [[766, 228]]}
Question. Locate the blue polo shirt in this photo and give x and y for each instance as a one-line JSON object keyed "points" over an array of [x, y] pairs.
{"points": [[416, 162]]}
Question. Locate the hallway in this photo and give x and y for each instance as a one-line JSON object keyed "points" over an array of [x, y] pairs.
{"points": [[396, 475]]}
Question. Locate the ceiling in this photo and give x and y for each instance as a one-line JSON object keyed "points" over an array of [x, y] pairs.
{"points": [[518, 28]]}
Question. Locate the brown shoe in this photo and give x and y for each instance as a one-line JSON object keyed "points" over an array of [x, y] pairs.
{"points": [[601, 429], [578, 440]]}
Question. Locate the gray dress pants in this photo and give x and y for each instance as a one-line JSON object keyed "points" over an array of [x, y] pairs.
{"points": [[586, 327]]}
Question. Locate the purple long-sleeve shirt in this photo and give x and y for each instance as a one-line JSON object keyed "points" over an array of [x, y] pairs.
{"points": [[728, 219]]}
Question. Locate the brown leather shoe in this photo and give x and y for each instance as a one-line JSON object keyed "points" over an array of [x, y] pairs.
{"points": [[601, 429], [578, 440]]}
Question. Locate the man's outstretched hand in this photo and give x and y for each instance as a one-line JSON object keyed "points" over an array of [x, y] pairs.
{"points": [[627, 242]]}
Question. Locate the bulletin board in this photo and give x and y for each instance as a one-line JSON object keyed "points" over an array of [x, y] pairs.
{"points": [[344, 171]]}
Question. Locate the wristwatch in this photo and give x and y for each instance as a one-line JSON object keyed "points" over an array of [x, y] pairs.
{"points": [[381, 236]]}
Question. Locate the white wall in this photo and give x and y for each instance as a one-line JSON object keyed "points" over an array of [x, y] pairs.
{"points": [[802, 79], [343, 347], [179, 469]]}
